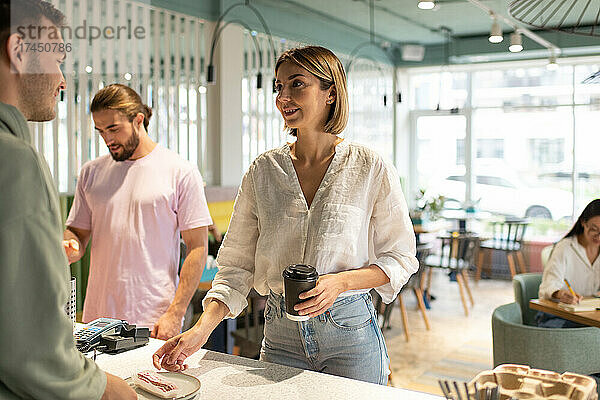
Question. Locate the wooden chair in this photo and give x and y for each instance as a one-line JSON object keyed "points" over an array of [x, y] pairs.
{"points": [[507, 237], [456, 255], [414, 283]]}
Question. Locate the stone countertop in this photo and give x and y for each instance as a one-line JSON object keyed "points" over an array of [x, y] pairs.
{"points": [[224, 376]]}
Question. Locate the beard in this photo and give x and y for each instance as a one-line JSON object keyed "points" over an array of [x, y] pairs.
{"points": [[128, 148], [37, 101]]}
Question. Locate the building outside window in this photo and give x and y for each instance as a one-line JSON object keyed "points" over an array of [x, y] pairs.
{"points": [[533, 138]]}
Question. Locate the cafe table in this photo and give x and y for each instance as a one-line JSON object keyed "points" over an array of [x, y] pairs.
{"points": [[223, 376], [590, 318], [463, 219]]}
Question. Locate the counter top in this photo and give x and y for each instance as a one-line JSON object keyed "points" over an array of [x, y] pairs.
{"points": [[224, 376]]}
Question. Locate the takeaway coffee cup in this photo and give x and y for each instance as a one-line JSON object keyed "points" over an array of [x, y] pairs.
{"points": [[297, 278]]}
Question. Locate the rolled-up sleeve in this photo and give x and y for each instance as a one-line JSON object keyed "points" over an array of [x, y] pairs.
{"points": [[237, 253], [393, 237]]}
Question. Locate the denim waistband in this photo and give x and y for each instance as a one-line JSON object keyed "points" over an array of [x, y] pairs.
{"points": [[279, 300]]}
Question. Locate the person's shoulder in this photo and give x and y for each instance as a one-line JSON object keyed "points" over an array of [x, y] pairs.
{"points": [[363, 153], [564, 245], [15, 149], [22, 178], [271, 157], [89, 168], [277, 152], [368, 159], [98, 162], [168, 157]]}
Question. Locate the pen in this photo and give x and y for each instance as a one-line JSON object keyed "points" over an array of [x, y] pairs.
{"points": [[570, 288]]}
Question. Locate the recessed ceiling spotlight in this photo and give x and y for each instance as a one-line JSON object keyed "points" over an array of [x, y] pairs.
{"points": [[496, 32], [426, 4], [516, 42]]}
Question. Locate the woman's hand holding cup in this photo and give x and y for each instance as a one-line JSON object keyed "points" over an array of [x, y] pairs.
{"points": [[322, 296]]}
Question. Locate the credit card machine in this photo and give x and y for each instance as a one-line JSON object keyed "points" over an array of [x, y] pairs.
{"points": [[89, 336]]}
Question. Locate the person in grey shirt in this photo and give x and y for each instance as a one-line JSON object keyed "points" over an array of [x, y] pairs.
{"points": [[39, 359]]}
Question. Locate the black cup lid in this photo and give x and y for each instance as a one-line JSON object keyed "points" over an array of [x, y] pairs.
{"points": [[300, 272]]}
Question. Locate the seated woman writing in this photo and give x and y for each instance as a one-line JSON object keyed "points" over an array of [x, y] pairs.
{"points": [[574, 259]]}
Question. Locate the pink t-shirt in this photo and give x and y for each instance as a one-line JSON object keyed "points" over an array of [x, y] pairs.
{"points": [[135, 211]]}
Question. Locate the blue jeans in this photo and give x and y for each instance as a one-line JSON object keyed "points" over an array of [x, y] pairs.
{"points": [[545, 320], [344, 341]]}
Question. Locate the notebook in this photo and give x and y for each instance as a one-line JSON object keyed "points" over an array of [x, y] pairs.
{"points": [[583, 306]]}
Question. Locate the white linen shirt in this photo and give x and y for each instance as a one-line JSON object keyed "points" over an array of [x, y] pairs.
{"points": [[358, 217], [569, 260]]}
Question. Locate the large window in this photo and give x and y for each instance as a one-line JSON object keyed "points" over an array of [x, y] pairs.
{"points": [[440, 144], [533, 133], [525, 158]]}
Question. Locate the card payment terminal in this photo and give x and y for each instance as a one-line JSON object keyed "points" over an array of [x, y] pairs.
{"points": [[89, 336]]}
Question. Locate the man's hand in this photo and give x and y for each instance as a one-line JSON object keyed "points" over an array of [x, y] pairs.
{"points": [[117, 389], [322, 296], [75, 241], [167, 326], [71, 247]]}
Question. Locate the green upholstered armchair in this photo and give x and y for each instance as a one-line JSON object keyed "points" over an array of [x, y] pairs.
{"points": [[556, 349], [526, 287]]}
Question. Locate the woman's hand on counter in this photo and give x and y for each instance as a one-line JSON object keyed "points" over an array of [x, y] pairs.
{"points": [[172, 354], [322, 296]]}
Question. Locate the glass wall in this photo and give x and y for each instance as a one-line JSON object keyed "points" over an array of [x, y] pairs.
{"points": [[532, 133]]}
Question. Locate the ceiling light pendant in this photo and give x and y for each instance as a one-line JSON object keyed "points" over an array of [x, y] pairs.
{"points": [[426, 4], [496, 32], [516, 42], [552, 64]]}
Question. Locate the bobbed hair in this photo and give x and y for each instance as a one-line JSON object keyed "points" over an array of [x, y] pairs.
{"points": [[326, 67]]}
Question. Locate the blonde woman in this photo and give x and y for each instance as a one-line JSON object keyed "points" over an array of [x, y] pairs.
{"points": [[319, 201]]}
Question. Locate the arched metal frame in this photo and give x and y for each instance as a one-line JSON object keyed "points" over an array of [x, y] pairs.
{"points": [[256, 45], [375, 64], [218, 30]]}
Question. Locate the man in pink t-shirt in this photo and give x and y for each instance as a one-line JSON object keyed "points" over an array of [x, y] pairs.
{"points": [[134, 203]]}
